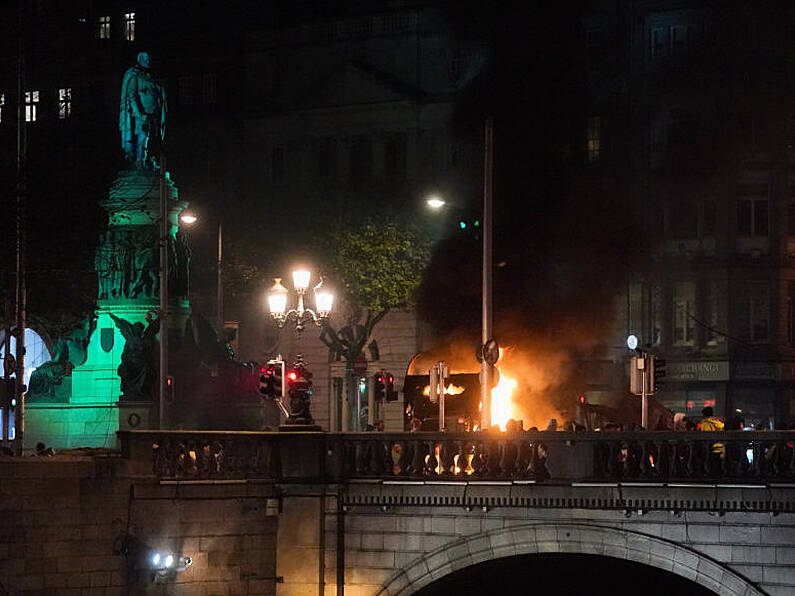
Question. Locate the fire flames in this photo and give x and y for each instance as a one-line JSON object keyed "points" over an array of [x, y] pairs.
{"points": [[528, 376], [449, 390], [502, 408], [521, 393]]}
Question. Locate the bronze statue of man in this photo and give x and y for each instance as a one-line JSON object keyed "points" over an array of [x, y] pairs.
{"points": [[142, 117]]}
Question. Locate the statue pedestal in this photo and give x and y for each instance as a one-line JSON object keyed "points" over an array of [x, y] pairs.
{"points": [[127, 263]]}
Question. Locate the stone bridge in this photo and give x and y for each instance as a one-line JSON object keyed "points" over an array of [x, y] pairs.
{"points": [[374, 513]]}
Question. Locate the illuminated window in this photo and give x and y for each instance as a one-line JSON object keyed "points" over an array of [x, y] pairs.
{"points": [[129, 26], [684, 313], [31, 106], [752, 217], [103, 27], [64, 103], [2, 107], [208, 88], [753, 312], [593, 139]]}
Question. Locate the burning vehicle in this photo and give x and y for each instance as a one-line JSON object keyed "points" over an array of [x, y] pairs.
{"points": [[532, 391]]}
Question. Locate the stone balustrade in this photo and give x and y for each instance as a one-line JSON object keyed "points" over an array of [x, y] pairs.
{"points": [[553, 457]]}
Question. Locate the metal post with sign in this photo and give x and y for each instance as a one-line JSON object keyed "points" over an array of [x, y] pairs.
{"points": [[639, 378]]}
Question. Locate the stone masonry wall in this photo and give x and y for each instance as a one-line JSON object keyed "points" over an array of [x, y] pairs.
{"points": [[382, 540], [62, 520]]}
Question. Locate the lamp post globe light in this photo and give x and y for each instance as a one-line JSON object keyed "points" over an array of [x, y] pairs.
{"points": [[299, 384], [278, 298]]}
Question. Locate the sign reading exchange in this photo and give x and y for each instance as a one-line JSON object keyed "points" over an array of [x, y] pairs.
{"points": [[698, 371]]}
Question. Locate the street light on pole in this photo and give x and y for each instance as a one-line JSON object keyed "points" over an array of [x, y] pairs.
{"points": [[278, 297], [190, 218]]}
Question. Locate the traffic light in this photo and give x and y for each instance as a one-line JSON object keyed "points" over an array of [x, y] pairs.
{"points": [[266, 385], [380, 386], [277, 366], [657, 372], [391, 394], [170, 389]]}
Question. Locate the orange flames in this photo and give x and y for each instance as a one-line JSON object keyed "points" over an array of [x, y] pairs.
{"points": [[502, 408], [521, 393], [529, 376], [449, 390]]}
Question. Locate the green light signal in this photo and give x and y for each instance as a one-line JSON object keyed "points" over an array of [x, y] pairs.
{"points": [[477, 223], [462, 225]]}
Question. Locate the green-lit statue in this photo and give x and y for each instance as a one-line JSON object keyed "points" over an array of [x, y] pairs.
{"points": [[138, 368], [142, 117]]}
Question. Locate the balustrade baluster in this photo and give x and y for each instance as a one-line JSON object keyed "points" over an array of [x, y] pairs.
{"points": [[493, 459], [417, 458]]}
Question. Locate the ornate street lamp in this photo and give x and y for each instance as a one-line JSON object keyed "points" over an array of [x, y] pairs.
{"points": [[278, 295]]}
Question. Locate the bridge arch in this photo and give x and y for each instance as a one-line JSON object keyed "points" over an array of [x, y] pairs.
{"points": [[571, 538]]}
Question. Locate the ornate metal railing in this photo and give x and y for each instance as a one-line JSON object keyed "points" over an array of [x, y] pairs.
{"points": [[554, 457]]}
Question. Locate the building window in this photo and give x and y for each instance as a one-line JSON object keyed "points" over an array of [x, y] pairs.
{"points": [[683, 219], [456, 71], [31, 106], [2, 107], [753, 313], [593, 139], [716, 307], [791, 219], [129, 26], [708, 218], [103, 27], [791, 313], [679, 39], [208, 89], [752, 217], [395, 158], [684, 313], [327, 159], [658, 39], [185, 91], [361, 160], [64, 103], [277, 164]]}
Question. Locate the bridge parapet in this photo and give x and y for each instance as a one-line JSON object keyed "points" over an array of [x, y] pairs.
{"points": [[530, 457]]}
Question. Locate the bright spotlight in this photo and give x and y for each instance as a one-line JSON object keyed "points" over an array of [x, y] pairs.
{"points": [[156, 560], [169, 560]]}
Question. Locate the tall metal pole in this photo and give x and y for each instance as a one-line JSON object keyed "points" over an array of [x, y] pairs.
{"points": [[644, 394], [21, 291], [163, 315], [219, 272], [485, 387], [6, 369]]}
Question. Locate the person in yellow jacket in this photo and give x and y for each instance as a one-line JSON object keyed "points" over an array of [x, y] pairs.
{"points": [[709, 422], [718, 452]]}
